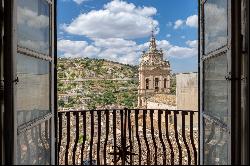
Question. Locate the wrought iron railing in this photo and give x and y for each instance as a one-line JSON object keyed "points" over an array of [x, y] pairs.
{"points": [[128, 136]]}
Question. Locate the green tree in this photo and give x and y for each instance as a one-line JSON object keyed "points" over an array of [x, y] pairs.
{"points": [[108, 98], [128, 100], [61, 103], [91, 105]]}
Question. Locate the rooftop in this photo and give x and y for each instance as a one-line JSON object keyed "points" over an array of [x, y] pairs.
{"points": [[164, 98]]}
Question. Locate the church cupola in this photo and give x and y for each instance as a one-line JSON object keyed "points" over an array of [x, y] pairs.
{"points": [[153, 56], [152, 43]]}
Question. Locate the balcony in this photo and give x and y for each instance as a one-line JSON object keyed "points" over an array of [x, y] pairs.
{"points": [[127, 136]]}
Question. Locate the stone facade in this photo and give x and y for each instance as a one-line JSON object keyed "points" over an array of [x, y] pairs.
{"points": [[187, 91], [154, 74], [187, 96]]}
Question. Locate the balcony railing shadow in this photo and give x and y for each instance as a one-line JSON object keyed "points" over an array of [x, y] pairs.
{"points": [[127, 136]]}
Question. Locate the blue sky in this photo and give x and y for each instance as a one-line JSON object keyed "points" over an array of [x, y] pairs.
{"points": [[119, 30]]}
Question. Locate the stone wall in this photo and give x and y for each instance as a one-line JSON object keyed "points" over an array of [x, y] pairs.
{"points": [[187, 95], [156, 105], [187, 91]]}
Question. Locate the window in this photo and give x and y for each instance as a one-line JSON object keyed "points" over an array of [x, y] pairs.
{"points": [[34, 70], [147, 83], [215, 24], [33, 89], [156, 84], [33, 25], [216, 99], [165, 83]]}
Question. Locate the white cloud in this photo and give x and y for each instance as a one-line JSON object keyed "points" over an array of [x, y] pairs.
{"points": [[173, 51], [76, 1], [177, 52], [216, 27], [178, 24], [216, 17], [113, 43], [163, 44], [117, 49], [181, 52], [127, 55], [79, 1], [31, 18], [121, 50], [192, 43], [111, 30], [75, 49], [117, 19], [192, 21], [119, 6]]}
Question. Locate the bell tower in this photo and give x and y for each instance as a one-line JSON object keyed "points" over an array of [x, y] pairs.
{"points": [[154, 73]]}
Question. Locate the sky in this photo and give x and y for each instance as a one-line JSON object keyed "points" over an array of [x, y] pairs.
{"points": [[119, 30]]}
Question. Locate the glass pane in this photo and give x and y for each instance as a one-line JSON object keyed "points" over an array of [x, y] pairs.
{"points": [[215, 24], [33, 25], [33, 88], [33, 146], [215, 144], [215, 87]]}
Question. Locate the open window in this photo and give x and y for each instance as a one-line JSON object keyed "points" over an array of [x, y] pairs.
{"points": [[221, 77], [29, 82], [216, 88]]}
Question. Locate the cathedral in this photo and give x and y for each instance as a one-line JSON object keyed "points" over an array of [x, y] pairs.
{"points": [[154, 74]]}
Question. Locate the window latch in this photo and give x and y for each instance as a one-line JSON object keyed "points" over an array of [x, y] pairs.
{"points": [[16, 80], [228, 77]]}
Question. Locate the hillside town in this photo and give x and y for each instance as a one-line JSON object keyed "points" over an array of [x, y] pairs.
{"points": [[85, 83], [94, 85]]}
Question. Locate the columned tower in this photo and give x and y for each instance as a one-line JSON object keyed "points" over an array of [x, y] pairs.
{"points": [[154, 73]]}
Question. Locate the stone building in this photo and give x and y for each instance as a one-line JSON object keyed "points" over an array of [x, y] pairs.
{"points": [[154, 74], [187, 91], [187, 96]]}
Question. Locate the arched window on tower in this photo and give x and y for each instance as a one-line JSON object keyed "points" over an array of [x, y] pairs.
{"points": [[165, 83], [147, 83], [156, 84]]}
